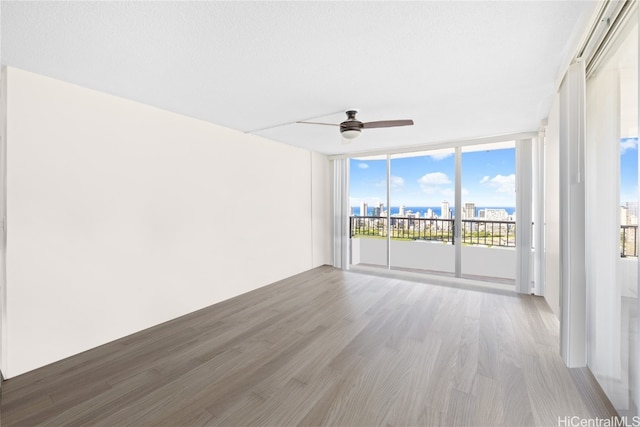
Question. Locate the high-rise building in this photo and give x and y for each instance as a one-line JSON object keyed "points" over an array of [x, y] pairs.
{"points": [[632, 213], [363, 209], [469, 210], [402, 210], [495, 215], [445, 213]]}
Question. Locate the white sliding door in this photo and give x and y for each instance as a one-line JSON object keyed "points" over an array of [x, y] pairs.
{"points": [[611, 212]]}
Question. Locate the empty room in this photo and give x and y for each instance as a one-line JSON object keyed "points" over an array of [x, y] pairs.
{"points": [[352, 213]]}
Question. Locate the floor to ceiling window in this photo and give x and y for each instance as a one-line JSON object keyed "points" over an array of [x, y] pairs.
{"points": [[368, 205], [488, 233], [409, 213], [422, 194], [612, 220]]}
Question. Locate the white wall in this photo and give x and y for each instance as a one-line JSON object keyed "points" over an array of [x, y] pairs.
{"points": [[122, 216], [552, 208], [321, 209], [436, 256], [490, 262], [369, 251], [627, 277]]}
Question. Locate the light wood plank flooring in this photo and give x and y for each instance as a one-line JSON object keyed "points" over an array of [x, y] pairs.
{"points": [[325, 347]]}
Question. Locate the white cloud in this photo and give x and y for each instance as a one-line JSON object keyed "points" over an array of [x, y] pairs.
{"points": [[434, 178], [628, 144], [441, 156], [431, 183], [397, 181], [363, 166], [501, 183]]}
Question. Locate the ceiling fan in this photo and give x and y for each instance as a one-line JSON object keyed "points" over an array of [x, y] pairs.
{"points": [[352, 127]]}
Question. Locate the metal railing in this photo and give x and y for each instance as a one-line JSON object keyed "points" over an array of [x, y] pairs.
{"points": [[629, 241], [474, 231], [489, 233]]}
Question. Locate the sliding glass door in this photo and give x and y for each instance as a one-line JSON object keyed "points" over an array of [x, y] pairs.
{"points": [[612, 221], [488, 212], [422, 190], [368, 217], [409, 212]]}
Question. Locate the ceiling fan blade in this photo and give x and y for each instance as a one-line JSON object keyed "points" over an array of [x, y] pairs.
{"points": [[318, 123], [387, 124]]}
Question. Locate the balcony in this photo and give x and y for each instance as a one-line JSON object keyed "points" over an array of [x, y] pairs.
{"points": [[427, 245], [474, 231], [629, 241]]}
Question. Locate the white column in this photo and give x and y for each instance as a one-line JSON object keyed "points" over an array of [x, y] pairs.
{"points": [[3, 220], [538, 212], [388, 212], [457, 223], [552, 253], [523, 215], [340, 209], [572, 217]]}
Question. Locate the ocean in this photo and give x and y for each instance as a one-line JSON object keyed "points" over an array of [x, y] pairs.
{"points": [[422, 209]]}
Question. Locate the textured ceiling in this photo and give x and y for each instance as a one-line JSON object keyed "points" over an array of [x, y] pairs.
{"points": [[459, 69]]}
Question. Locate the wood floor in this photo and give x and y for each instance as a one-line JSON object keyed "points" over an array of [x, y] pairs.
{"points": [[326, 347]]}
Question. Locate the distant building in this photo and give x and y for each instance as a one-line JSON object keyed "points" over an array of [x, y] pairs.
{"points": [[632, 213], [469, 210], [402, 210], [495, 215], [445, 211], [364, 208]]}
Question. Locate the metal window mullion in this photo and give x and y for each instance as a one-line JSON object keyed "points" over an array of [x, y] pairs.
{"points": [[457, 222], [389, 211]]}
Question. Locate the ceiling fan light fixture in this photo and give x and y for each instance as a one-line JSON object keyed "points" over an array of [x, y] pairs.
{"points": [[352, 127], [351, 133]]}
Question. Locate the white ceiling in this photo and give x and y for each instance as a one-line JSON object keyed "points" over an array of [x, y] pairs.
{"points": [[458, 69]]}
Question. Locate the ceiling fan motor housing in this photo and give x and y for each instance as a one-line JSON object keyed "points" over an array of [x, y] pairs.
{"points": [[351, 124]]}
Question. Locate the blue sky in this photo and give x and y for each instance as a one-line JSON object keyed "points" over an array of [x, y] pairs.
{"points": [[628, 170], [488, 178]]}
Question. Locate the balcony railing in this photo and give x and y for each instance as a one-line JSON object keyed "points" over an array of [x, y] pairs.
{"points": [[629, 241], [474, 231]]}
